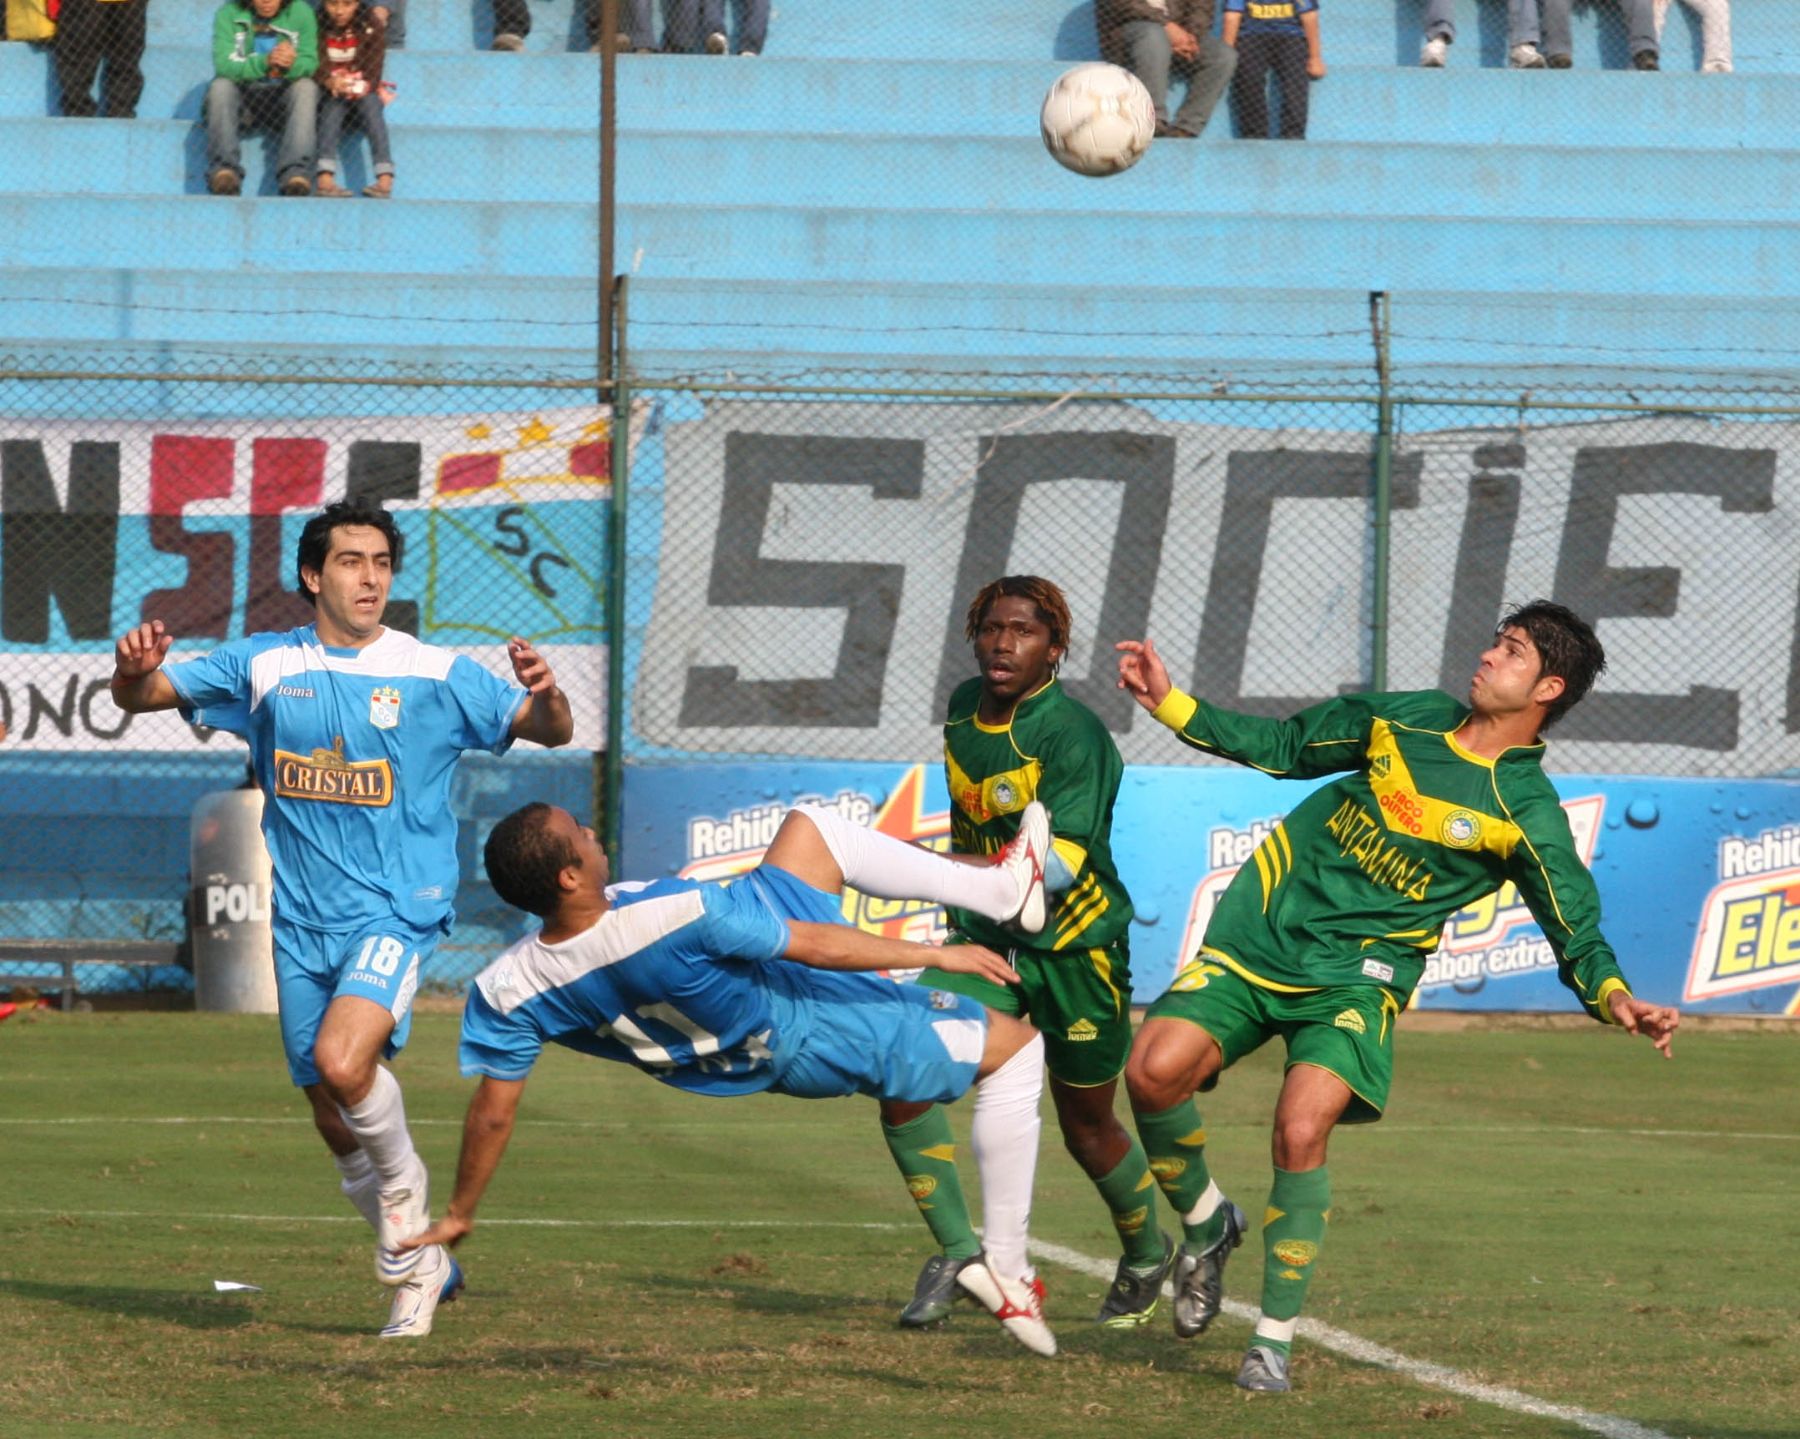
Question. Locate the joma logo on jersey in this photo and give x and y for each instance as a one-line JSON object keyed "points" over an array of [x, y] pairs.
{"points": [[1352, 1020], [1083, 1029], [326, 775]]}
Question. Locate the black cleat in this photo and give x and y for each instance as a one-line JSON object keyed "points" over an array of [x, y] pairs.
{"points": [[1200, 1277]]}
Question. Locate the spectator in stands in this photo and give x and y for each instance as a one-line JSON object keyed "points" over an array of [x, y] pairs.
{"points": [[352, 45], [512, 23], [1557, 47], [1279, 38], [696, 25], [1715, 32], [1151, 38], [265, 53], [89, 31], [1440, 35]]}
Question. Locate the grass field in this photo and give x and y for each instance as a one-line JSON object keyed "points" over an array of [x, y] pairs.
{"points": [[1554, 1213]]}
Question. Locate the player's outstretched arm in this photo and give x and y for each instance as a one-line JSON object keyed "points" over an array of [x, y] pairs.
{"points": [[544, 718], [138, 683], [840, 946], [1657, 1022], [1142, 673], [486, 1129]]}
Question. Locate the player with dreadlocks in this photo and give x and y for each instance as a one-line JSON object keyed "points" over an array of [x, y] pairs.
{"points": [[1013, 735]]}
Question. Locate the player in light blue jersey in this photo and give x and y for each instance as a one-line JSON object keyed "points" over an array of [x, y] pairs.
{"points": [[737, 988], [354, 731]]}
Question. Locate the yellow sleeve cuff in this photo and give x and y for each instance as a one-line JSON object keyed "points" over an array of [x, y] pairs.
{"points": [[1177, 708], [1607, 989]]}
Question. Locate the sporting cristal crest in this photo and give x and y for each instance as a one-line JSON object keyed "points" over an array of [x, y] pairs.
{"points": [[384, 708]]}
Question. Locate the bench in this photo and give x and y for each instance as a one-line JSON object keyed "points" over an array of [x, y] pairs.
{"points": [[65, 954]]}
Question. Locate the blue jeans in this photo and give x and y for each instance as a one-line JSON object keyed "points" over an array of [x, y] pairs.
{"points": [[1640, 25], [370, 115], [233, 107], [1440, 24], [1152, 58], [691, 21]]}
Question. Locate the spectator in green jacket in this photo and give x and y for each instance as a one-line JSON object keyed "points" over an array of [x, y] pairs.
{"points": [[264, 55]]}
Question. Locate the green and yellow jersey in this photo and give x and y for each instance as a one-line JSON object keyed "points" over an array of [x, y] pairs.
{"points": [[1357, 882], [1054, 750]]}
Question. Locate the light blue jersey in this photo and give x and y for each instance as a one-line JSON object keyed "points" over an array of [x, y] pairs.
{"points": [[684, 980], [354, 750]]}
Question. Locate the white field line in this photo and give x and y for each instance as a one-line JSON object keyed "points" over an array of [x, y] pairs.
{"points": [[1760, 1136], [1420, 1371], [1437, 1376]]}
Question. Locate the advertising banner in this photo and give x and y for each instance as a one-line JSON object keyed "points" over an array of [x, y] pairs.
{"points": [[106, 524], [1700, 880]]}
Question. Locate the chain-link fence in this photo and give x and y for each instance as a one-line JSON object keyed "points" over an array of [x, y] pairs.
{"points": [[178, 496], [817, 546], [799, 555]]}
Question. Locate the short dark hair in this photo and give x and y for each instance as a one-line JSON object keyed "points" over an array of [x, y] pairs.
{"points": [[1567, 648], [315, 539], [1052, 608], [524, 858]]}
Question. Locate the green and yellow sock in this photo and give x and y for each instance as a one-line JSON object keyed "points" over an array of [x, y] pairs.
{"points": [[1175, 1144], [1293, 1234], [1126, 1190], [925, 1150]]}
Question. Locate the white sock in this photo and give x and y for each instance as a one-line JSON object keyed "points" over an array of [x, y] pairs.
{"points": [[379, 1124], [889, 868], [1281, 1330], [360, 1185], [1004, 1135], [1206, 1205]]}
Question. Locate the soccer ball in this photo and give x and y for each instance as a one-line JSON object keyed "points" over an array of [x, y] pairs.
{"points": [[1098, 119]]}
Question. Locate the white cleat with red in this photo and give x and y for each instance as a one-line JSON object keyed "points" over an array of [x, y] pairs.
{"points": [[1024, 858], [1017, 1303]]}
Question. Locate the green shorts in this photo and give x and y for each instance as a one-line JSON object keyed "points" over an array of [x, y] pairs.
{"points": [[1079, 998], [1345, 1028]]}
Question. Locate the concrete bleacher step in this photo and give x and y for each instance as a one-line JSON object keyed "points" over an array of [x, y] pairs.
{"points": [[928, 98], [550, 91], [168, 157], [676, 322], [253, 244], [853, 172], [1390, 252], [346, 309]]}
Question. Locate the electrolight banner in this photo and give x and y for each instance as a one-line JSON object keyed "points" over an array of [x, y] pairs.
{"points": [[1700, 879]]}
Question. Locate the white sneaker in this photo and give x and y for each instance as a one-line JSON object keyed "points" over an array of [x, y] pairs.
{"points": [[437, 1280], [716, 43], [1716, 67], [1024, 859], [1017, 1303], [1525, 57], [1434, 53], [404, 1213]]}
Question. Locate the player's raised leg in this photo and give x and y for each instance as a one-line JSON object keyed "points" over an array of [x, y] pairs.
{"points": [[828, 851]]}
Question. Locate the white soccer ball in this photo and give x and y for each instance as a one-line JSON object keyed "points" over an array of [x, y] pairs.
{"points": [[1098, 119]]}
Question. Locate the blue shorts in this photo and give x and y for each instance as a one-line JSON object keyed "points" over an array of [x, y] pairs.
{"points": [[378, 962], [846, 1032]]}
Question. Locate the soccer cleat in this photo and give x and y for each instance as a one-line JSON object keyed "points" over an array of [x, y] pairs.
{"points": [[1132, 1299], [1525, 56], [1024, 858], [1264, 1370], [1017, 1303], [403, 1214], [933, 1294], [1434, 53], [416, 1301], [1200, 1277]]}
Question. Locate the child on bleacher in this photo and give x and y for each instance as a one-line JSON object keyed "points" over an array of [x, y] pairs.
{"points": [[352, 45], [1279, 38]]}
